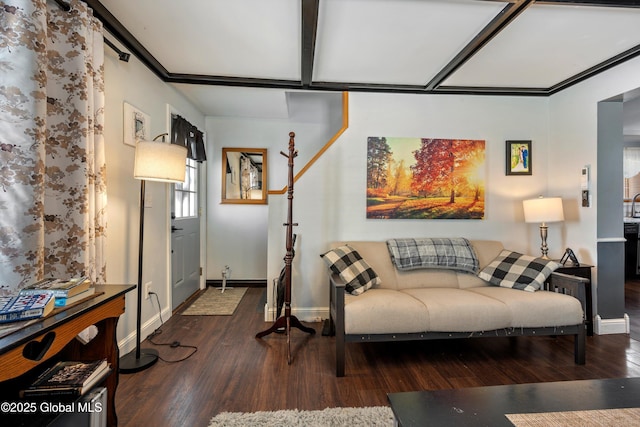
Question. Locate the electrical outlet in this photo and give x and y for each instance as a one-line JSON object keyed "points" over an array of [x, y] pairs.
{"points": [[147, 289]]}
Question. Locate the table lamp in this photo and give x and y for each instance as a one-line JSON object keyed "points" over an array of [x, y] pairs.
{"points": [[154, 161], [543, 210]]}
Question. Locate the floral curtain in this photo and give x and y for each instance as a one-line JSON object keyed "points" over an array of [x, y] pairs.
{"points": [[52, 163]]}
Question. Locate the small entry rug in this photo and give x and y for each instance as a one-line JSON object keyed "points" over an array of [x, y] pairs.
{"points": [[214, 302], [593, 418], [376, 416]]}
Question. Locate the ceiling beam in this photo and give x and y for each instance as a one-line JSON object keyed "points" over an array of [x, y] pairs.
{"points": [[497, 24], [419, 89], [598, 68], [603, 3], [309, 31], [205, 79], [490, 90], [119, 31]]}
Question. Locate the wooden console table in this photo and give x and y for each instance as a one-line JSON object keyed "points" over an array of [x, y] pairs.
{"points": [[27, 351]]}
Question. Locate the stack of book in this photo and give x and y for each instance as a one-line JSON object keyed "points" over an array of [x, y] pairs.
{"points": [[67, 379], [24, 307], [65, 292]]}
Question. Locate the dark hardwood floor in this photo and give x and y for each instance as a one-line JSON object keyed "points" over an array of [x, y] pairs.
{"points": [[233, 371]]}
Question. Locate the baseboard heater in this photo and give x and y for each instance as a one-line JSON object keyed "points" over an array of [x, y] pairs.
{"points": [[239, 283]]}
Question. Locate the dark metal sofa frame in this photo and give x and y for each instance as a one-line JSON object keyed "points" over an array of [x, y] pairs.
{"points": [[558, 282]]}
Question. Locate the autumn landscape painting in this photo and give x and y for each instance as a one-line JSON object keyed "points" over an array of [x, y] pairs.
{"points": [[425, 178]]}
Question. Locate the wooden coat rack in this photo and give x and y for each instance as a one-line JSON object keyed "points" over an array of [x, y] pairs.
{"points": [[287, 321]]}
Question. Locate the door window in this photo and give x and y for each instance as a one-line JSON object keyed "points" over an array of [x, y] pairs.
{"points": [[185, 194]]}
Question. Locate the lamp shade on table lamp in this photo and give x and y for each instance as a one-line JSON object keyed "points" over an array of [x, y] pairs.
{"points": [[154, 161], [543, 210]]}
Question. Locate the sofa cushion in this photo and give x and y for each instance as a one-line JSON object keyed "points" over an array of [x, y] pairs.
{"points": [[377, 256], [384, 311], [444, 253], [349, 265], [457, 310], [536, 309], [514, 270], [486, 251], [470, 281], [429, 278]]}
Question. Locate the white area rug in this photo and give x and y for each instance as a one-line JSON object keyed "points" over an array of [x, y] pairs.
{"points": [[375, 416]]}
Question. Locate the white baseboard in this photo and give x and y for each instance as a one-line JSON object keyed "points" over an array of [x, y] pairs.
{"points": [[303, 314], [128, 343], [611, 326]]}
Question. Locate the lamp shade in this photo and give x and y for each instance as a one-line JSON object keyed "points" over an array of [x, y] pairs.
{"points": [[160, 161], [543, 210]]}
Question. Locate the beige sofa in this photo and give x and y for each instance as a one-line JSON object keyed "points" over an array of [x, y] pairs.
{"points": [[442, 303]]}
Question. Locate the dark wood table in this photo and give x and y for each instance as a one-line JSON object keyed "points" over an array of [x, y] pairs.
{"points": [[25, 352], [487, 406]]}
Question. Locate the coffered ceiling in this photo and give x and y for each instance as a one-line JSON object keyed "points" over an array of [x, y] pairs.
{"points": [[523, 47]]}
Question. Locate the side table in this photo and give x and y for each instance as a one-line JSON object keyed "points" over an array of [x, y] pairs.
{"points": [[582, 270], [53, 339]]}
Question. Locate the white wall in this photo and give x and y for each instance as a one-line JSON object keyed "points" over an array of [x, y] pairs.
{"points": [[573, 130], [237, 234], [330, 200], [134, 83]]}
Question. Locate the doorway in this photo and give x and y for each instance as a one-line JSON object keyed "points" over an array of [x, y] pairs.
{"points": [[631, 131]]}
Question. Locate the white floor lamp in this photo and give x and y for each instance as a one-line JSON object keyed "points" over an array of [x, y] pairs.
{"points": [[154, 161]]}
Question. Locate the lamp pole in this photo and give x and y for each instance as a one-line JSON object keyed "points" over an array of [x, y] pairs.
{"points": [[138, 360]]}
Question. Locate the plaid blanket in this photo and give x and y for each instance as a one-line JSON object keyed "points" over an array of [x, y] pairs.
{"points": [[411, 254]]}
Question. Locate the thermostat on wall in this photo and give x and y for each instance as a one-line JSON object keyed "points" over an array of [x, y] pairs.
{"points": [[584, 187]]}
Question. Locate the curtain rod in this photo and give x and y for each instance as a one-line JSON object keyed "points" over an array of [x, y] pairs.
{"points": [[63, 5], [123, 56]]}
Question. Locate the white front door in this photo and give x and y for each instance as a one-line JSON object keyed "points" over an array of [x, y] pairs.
{"points": [[185, 238]]}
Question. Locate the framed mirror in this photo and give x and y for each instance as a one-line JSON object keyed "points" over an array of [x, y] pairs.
{"points": [[244, 176]]}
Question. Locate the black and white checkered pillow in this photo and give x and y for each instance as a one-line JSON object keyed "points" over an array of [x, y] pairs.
{"points": [[514, 270], [349, 265]]}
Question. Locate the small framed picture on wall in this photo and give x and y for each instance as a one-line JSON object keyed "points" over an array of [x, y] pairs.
{"points": [[518, 158], [136, 125]]}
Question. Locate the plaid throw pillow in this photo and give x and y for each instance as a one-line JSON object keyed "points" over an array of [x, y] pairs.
{"points": [[349, 265], [517, 271], [454, 254]]}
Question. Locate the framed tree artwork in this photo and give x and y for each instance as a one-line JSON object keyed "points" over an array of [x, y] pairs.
{"points": [[425, 178], [518, 158]]}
